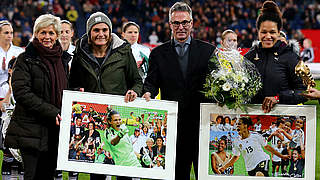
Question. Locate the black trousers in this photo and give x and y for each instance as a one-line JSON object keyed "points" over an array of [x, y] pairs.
{"points": [[187, 147], [186, 155], [38, 165]]}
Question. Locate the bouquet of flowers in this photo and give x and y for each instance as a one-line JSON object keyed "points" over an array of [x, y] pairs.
{"points": [[234, 81]]}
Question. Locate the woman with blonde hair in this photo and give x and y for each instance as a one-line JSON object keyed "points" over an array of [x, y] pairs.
{"points": [[8, 51], [67, 33], [38, 80], [307, 55], [229, 40]]}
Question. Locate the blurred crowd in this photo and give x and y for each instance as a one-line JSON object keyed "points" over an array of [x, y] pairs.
{"points": [[211, 17]]}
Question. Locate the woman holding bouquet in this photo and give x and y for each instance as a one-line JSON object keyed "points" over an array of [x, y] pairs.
{"points": [[275, 61], [233, 80], [229, 40]]}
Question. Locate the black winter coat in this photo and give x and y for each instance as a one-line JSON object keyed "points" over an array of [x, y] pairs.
{"points": [[33, 119], [277, 68]]}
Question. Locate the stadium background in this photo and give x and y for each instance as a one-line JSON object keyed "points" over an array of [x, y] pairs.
{"points": [[211, 17]]}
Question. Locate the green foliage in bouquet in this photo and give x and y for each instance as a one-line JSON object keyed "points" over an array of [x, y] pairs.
{"points": [[234, 81]]}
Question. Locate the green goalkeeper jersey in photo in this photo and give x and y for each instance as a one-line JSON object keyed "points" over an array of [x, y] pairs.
{"points": [[122, 153]]}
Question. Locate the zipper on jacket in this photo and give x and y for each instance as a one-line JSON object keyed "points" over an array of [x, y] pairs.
{"points": [[99, 80]]}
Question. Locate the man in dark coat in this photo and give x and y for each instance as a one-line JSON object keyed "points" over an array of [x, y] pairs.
{"points": [[77, 128], [179, 68]]}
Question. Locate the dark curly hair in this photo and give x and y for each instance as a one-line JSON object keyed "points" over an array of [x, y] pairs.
{"points": [[110, 114], [246, 120], [270, 12]]}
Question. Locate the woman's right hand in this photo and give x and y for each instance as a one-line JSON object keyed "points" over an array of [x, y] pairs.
{"points": [[58, 119], [312, 94]]}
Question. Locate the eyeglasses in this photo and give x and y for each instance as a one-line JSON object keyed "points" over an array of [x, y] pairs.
{"points": [[176, 24]]}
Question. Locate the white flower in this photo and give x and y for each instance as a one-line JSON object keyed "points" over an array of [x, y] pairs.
{"points": [[226, 86], [245, 79], [222, 78], [237, 77]]}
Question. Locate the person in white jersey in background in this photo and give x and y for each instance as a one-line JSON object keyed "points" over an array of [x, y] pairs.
{"points": [[250, 146], [257, 126], [7, 52], [67, 33], [276, 161], [130, 32]]}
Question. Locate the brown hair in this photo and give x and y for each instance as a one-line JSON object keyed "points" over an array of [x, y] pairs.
{"points": [[270, 12], [128, 24]]}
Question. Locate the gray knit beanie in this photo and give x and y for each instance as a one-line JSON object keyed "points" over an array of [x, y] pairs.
{"points": [[96, 18]]}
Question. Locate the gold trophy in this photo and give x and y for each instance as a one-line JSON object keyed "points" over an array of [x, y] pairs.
{"points": [[303, 71]]}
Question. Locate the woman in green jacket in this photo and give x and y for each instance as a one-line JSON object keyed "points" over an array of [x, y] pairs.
{"points": [[103, 63]]}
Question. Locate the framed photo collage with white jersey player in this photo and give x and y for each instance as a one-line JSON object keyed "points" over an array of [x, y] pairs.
{"points": [[244, 145], [102, 134]]}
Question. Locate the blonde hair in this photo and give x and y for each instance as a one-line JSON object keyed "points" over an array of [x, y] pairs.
{"points": [[45, 21], [225, 33], [150, 140], [3, 23]]}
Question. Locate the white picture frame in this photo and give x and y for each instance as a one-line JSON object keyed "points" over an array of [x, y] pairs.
{"points": [[213, 110], [140, 104]]}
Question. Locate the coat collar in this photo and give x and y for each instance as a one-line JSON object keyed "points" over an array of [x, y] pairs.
{"points": [[171, 55], [278, 47], [188, 41]]}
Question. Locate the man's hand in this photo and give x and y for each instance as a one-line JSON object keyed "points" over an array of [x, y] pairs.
{"points": [[130, 96], [268, 104], [147, 96]]}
